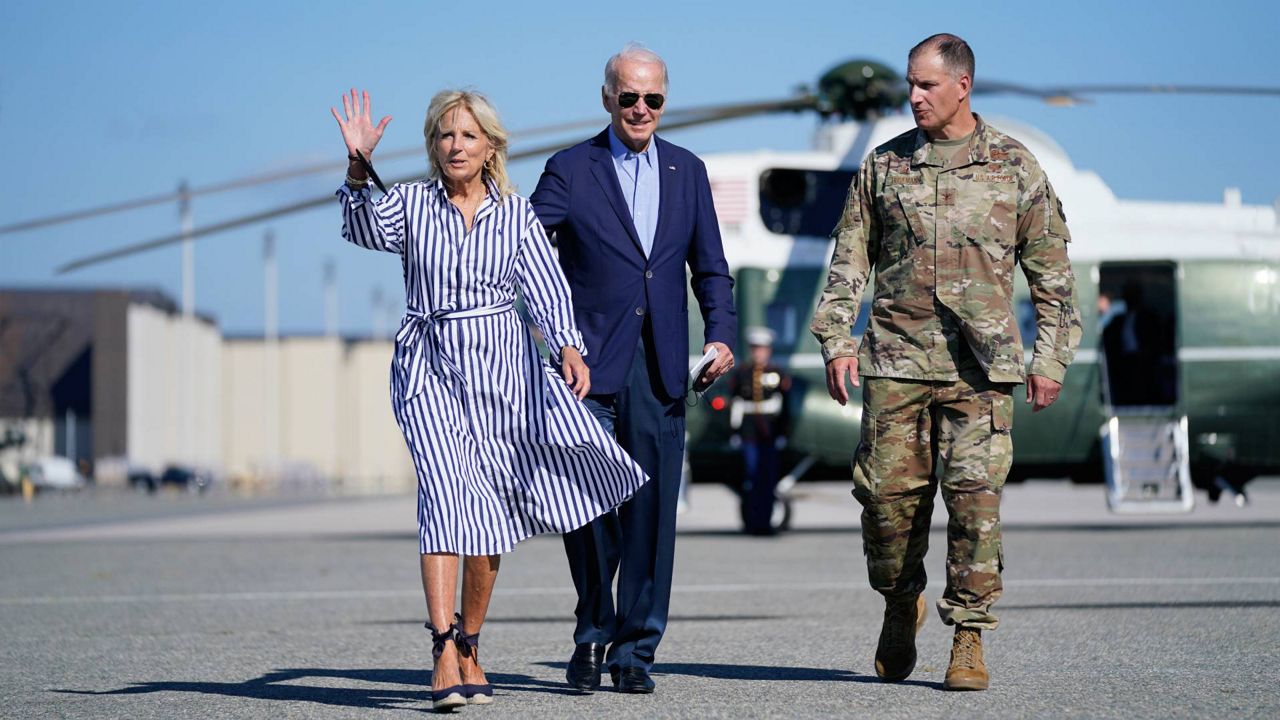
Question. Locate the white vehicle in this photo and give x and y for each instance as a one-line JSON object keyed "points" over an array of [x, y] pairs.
{"points": [[54, 472]]}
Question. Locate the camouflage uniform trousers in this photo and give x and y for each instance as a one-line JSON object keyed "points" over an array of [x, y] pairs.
{"points": [[964, 425]]}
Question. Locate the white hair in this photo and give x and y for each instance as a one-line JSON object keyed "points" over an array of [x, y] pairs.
{"points": [[635, 52]]}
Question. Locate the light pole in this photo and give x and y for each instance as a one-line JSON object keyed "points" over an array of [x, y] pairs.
{"points": [[330, 299], [271, 355]]}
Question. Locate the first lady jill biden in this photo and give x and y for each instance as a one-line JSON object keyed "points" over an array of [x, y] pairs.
{"points": [[502, 447]]}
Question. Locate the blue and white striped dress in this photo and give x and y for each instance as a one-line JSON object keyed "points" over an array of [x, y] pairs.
{"points": [[502, 448]]}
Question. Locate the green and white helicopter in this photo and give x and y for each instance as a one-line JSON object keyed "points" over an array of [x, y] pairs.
{"points": [[1198, 404], [1208, 276]]}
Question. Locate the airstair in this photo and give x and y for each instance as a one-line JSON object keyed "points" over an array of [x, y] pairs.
{"points": [[1145, 451], [1147, 466]]}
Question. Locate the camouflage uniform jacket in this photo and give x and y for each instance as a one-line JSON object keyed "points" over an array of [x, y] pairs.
{"points": [[943, 241]]}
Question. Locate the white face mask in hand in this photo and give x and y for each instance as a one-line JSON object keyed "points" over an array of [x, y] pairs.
{"points": [[700, 384]]}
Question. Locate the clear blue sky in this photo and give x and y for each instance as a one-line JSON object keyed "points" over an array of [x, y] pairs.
{"points": [[105, 101]]}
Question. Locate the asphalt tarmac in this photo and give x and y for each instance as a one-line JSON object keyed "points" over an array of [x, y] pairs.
{"points": [[115, 605]]}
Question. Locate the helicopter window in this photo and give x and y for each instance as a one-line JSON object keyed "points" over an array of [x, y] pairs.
{"points": [[781, 317], [803, 202], [864, 319], [1027, 322]]}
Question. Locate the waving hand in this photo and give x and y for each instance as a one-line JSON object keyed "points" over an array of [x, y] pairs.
{"points": [[356, 123]]}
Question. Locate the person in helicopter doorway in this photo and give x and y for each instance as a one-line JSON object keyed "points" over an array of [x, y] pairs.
{"points": [[1140, 354], [760, 421]]}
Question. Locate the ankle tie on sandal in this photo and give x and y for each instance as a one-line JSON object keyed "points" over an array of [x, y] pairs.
{"points": [[438, 638], [467, 644]]}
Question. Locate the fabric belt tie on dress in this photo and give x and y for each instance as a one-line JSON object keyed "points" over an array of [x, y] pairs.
{"points": [[423, 351]]}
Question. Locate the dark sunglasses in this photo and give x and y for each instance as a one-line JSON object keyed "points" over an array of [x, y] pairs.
{"points": [[653, 100]]}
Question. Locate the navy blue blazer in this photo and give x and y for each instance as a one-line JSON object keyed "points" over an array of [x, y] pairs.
{"points": [[614, 285]]}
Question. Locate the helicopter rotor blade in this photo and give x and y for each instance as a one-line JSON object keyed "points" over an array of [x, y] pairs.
{"points": [[252, 180], [999, 87], [241, 183], [1073, 94], [271, 177], [1169, 90], [674, 121]]}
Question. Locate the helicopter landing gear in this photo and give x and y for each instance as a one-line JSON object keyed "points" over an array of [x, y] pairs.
{"points": [[1223, 478], [1222, 485], [779, 514]]}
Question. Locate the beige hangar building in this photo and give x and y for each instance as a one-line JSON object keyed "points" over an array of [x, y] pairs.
{"points": [[121, 381]]}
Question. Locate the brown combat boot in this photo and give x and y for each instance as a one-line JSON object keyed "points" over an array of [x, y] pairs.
{"points": [[968, 671], [896, 653]]}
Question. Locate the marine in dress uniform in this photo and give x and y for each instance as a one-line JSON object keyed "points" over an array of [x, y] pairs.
{"points": [[760, 419]]}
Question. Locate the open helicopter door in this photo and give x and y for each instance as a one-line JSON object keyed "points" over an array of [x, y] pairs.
{"points": [[1144, 440]]}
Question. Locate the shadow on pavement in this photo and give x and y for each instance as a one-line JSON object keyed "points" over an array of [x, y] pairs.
{"points": [[723, 671], [413, 687], [568, 619]]}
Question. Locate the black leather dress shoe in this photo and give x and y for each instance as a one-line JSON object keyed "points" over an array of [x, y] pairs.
{"points": [[583, 672], [632, 680]]}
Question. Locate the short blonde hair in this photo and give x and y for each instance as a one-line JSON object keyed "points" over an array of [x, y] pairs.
{"points": [[486, 117]]}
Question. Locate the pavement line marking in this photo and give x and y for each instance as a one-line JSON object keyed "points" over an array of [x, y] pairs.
{"points": [[1113, 582], [201, 597], [1030, 582], [1086, 355], [566, 590]]}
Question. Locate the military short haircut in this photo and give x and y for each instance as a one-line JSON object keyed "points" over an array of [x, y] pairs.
{"points": [[956, 54]]}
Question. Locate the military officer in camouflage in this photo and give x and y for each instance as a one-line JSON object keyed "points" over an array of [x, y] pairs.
{"points": [[943, 213]]}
